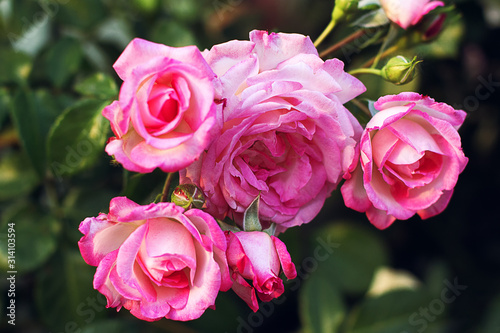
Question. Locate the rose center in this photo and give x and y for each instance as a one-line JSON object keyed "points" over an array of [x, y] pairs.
{"points": [[175, 279], [163, 103]]}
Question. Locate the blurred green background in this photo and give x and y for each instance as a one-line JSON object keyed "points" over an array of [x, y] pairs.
{"points": [[438, 275]]}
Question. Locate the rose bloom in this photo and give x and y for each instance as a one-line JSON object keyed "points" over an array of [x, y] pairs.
{"points": [[258, 258], [157, 260], [411, 157], [408, 12], [285, 132], [165, 110]]}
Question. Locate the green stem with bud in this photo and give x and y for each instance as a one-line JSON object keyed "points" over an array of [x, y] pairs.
{"points": [[386, 53], [391, 35], [341, 10], [373, 71], [342, 43], [325, 33], [166, 187]]}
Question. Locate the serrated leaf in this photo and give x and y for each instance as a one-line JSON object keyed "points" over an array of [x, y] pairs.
{"points": [[98, 85], [321, 306], [354, 263], [17, 177], [77, 137], [36, 237], [63, 60]]}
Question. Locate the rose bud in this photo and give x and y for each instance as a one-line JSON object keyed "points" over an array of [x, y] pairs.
{"points": [[400, 70]]}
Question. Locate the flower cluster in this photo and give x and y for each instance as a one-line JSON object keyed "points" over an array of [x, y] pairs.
{"points": [[260, 136]]}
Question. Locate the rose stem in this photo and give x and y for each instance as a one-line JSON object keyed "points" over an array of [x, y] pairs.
{"points": [[166, 187], [342, 43], [390, 50]]}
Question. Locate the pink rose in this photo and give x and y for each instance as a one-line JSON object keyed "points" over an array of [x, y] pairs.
{"points": [[258, 258], [165, 110], [406, 13], [411, 157], [157, 260], [285, 132]]}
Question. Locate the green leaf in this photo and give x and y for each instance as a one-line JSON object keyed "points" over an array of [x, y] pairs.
{"points": [[17, 176], [373, 19], [185, 10], [83, 15], [33, 113], [5, 10], [353, 264], [225, 226], [77, 137], [321, 306], [436, 273], [172, 33], [36, 237], [115, 31], [64, 295], [5, 100], [143, 187], [251, 220], [31, 33], [396, 311], [80, 203], [63, 60], [371, 107], [447, 44], [387, 279], [369, 4], [15, 66], [491, 320], [96, 55], [98, 85], [146, 6]]}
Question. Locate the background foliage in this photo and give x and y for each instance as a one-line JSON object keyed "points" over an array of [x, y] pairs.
{"points": [[55, 78]]}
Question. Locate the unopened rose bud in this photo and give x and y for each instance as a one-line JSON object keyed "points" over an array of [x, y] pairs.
{"points": [[408, 12], [343, 8], [400, 70], [187, 195]]}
